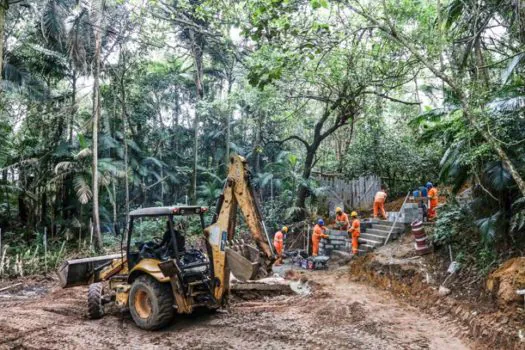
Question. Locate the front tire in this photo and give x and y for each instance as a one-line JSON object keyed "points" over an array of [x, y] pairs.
{"points": [[95, 301], [151, 303]]}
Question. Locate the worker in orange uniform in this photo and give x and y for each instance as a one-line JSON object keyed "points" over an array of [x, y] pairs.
{"points": [[341, 219], [434, 201], [278, 243], [317, 236], [355, 232], [379, 203]]}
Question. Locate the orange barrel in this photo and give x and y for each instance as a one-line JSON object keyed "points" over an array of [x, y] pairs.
{"points": [[420, 238]]}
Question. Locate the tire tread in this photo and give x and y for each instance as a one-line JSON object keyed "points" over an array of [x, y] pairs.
{"points": [[164, 296], [95, 305]]}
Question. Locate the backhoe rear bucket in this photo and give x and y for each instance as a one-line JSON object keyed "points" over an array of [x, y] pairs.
{"points": [[80, 272], [242, 268]]}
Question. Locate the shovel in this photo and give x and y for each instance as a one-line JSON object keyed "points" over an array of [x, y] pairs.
{"points": [[453, 267]]}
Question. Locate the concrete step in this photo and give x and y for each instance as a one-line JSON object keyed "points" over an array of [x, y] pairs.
{"points": [[366, 247], [372, 236], [373, 243], [390, 223], [377, 232], [387, 228]]}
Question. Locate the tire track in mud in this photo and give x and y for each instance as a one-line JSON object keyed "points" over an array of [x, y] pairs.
{"points": [[340, 314]]}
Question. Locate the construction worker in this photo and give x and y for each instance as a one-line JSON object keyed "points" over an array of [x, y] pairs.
{"points": [[278, 243], [317, 235], [379, 203], [433, 201], [341, 219], [355, 232]]}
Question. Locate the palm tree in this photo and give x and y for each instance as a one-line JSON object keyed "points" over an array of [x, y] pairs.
{"points": [[4, 6]]}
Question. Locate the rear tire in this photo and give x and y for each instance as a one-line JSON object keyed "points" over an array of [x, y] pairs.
{"points": [[95, 302], [151, 303]]}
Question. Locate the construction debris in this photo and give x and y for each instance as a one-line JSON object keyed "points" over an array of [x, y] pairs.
{"points": [[13, 286], [271, 286], [443, 291]]}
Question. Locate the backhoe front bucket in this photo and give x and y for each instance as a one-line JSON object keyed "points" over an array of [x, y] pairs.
{"points": [[80, 272], [239, 259]]}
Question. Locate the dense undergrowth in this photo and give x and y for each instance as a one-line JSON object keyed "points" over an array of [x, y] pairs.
{"points": [[478, 244]]}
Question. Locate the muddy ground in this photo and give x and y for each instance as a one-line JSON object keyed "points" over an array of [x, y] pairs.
{"points": [[338, 314]]}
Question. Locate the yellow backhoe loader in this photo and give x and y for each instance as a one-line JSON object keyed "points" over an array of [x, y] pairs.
{"points": [[159, 278]]}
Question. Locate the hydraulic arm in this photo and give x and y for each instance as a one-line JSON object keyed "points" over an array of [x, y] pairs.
{"points": [[229, 254]]}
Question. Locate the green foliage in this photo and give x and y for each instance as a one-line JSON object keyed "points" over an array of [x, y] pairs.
{"points": [[147, 228], [293, 86], [452, 223], [455, 227]]}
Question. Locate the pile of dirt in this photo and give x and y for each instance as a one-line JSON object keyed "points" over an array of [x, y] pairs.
{"points": [[504, 282], [414, 280], [394, 205]]}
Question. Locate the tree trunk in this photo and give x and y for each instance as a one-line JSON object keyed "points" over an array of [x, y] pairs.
{"points": [[113, 197], [124, 115], [96, 118], [196, 49], [193, 194], [302, 191], [73, 106], [228, 125], [3, 11], [258, 144]]}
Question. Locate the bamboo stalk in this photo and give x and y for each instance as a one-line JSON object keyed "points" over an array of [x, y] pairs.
{"points": [[45, 249], [60, 254], [2, 261]]}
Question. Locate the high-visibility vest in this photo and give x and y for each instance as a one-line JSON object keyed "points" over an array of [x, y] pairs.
{"points": [[278, 238], [380, 197]]}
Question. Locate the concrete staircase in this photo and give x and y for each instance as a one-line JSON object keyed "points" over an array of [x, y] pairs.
{"points": [[373, 235]]}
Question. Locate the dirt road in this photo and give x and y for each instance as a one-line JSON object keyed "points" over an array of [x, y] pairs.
{"points": [[339, 314]]}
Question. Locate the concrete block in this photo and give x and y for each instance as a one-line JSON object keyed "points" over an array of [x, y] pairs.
{"points": [[410, 205]]}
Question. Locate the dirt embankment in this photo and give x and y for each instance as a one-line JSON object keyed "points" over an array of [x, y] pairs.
{"points": [[396, 269]]}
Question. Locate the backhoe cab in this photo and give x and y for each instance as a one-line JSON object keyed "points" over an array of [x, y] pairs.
{"points": [[162, 276]]}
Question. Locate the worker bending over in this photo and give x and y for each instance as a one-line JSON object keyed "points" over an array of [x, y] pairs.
{"points": [[354, 232], [317, 236], [341, 219], [278, 243], [434, 201], [379, 203]]}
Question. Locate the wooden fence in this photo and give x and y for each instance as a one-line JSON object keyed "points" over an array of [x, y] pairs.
{"points": [[355, 194]]}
